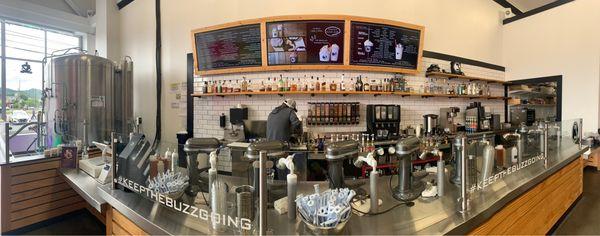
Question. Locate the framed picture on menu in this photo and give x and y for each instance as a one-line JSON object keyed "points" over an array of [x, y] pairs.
{"points": [[305, 42], [374, 44]]}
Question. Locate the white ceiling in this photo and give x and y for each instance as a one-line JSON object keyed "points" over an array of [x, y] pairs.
{"points": [[527, 5], [63, 5]]}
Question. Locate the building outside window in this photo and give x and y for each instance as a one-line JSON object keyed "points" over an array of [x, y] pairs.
{"points": [[22, 50]]}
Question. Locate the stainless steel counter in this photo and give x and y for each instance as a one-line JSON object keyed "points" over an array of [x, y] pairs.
{"points": [[427, 216], [85, 186]]}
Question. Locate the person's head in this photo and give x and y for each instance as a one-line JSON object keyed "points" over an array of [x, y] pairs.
{"points": [[291, 104]]}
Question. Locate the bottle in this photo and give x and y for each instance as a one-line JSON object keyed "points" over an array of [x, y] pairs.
{"points": [[213, 87], [367, 86], [312, 84], [317, 85], [274, 86], [236, 87], [209, 87], [342, 85], [204, 87], [359, 84], [332, 86], [286, 84], [294, 86], [281, 84], [268, 88], [244, 85], [305, 83], [220, 87], [351, 86], [262, 87], [324, 84]]}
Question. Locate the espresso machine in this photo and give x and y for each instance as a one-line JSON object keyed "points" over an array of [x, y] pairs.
{"points": [[383, 121], [447, 116], [409, 185]]}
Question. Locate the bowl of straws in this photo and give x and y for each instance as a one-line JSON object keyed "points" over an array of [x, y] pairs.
{"points": [[326, 212], [169, 183]]}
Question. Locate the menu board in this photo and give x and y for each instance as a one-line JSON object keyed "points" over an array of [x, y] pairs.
{"points": [[232, 47], [305, 42], [384, 45]]}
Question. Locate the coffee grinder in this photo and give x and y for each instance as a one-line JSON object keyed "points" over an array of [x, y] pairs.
{"points": [[447, 116]]}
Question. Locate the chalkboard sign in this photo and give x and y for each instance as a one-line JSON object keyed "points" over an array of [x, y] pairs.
{"points": [[384, 45], [305, 42], [226, 48]]}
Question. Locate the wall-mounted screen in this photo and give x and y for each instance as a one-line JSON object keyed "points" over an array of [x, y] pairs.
{"points": [[384, 45], [305, 42], [226, 48]]}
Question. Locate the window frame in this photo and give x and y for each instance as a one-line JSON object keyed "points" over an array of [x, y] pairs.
{"points": [[3, 57]]}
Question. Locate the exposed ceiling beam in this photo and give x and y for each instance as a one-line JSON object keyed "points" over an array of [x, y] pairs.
{"points": [[507, 4], [75, 8]]}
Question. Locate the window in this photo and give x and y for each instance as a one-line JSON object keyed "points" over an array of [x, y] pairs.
{"points": [[25, 47]]}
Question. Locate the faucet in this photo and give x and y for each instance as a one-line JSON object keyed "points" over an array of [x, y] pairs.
{"points": [[370, 160], [292, 184]]}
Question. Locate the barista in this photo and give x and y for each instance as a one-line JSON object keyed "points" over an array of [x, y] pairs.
{"points": [[283, 122]]}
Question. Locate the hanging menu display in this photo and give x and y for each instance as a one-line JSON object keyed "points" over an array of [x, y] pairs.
{"points": [[384, 45], [305, 42], [226, 48]]}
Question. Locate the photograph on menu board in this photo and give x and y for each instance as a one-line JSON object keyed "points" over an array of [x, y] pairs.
{"points": [[384, 45], [305, 42], [228, 48]]}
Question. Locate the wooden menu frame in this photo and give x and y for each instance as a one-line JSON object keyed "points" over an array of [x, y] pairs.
{"points": [[346, 57]]}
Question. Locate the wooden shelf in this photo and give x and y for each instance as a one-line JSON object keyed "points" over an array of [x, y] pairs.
{"points": [[345, 93], [452, 76]]}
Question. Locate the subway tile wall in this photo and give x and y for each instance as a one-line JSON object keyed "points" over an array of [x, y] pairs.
{"points": [[207, 109]]}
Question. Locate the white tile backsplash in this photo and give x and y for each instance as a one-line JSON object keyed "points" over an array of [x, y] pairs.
{"points": [[207, 109]]}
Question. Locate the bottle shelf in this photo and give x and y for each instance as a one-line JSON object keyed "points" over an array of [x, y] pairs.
{"points": [[346, 93], [453, 76]]}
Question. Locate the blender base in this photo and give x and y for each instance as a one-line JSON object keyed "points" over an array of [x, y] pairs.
{"points": [[409, 194]]}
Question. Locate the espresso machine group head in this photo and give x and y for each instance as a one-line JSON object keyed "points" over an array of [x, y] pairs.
{"points": [[409, 187], [336, 154]]}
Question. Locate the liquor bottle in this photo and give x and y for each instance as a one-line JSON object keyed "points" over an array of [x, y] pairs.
{"points": [[213, 87], [317, 85], [305, 83], [342, 85], [359, 84], [204, 87], [281, 84], [262, 87], [286, 84], [269, 87], [312, 83], [294, 86], [351, 85], [236, 87], [274, 85], [332, 86], [244, 85], [324, 84], [367, 86], [219, 87]]}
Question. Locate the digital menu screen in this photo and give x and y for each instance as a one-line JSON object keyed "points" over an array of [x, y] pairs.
{"points": [[226, 48], [305, 42], [384, 45]]}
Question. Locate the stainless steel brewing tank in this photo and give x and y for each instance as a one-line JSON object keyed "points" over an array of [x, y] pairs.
{"points": [[82, 92]]}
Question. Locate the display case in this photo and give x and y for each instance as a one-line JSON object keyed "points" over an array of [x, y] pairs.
{"points": [[533, 100]]}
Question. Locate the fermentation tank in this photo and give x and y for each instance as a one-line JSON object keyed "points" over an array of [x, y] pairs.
{"points": [[87, 97]]}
